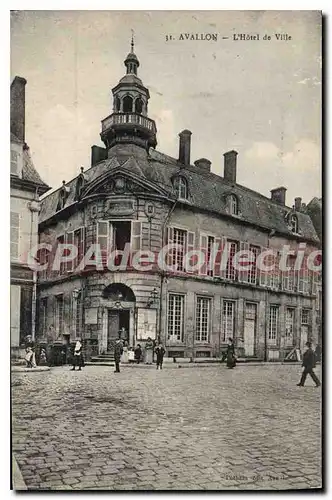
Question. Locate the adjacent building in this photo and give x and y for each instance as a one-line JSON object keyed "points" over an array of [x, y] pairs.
{"points": [[134, 195], [25, 188]]}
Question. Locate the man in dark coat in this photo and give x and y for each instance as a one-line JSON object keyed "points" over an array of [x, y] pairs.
{"points": [[309, 361], [160, 351], [118, 350]]}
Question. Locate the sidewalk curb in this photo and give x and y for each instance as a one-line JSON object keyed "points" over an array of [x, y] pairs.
{"points": [[17, 478], [25, 369], [192, 365]]}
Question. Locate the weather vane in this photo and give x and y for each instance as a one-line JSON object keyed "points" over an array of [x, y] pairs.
{"points": [[132, 40]]}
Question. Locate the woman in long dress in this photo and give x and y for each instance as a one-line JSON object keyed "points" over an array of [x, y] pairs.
{"points": [[30, 357], [148, 351], [125, 354], [230, 354], [78, 356]]}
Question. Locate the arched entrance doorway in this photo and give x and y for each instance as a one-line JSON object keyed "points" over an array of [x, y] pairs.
{"points": [[120, 301]]}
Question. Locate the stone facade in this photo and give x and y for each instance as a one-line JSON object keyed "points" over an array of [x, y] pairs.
{"points": [[137, 196], [25, 188]]}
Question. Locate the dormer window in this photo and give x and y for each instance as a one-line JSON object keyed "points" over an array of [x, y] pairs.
{"points": [[79, 185], [63, 195], [233, 205], [180, 184], [293, 222], [182, 188]]}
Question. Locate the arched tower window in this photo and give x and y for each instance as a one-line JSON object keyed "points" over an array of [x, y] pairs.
{"points": [[127, 104], [117, 104], [138, 105], [294, 223]]}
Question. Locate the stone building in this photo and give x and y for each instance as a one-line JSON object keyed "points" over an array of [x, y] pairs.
{"points": [[133, 194], [315, 210], [25, 188]]}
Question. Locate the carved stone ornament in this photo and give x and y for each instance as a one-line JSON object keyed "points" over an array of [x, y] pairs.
{"points": [[149, 209], [120, 185]]}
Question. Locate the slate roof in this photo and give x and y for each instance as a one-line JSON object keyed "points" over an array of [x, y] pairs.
{"points": [[29, 172], [207, 191]]}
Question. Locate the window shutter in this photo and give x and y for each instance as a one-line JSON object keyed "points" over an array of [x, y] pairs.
{"points": [[190, 247], [223, 257], [13, 162], [244, 274], [217, 257], [136, 235], [203, 249], [263, 275], [14, 234], [103, 238], [170, 241], [70, 241], [276, 271]]}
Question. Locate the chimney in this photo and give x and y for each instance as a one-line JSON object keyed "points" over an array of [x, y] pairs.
{"points": [[203, 164], [279, 195], [17, 107], [97, 154], [184, 147], [298, 204], [230, 166]]}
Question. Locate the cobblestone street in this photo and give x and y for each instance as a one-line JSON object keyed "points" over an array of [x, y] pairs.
{"points": [[181, 428]]}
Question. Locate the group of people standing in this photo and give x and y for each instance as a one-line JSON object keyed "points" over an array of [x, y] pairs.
{"points": [[123, 354]]}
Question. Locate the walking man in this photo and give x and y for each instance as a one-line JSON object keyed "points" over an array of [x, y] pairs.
{"points": [[309, 364], [118, 350]]}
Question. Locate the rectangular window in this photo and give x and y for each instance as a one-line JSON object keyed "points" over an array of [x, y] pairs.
{"points": [[44, 257], [136, 235], [289, 330], [303, 278], [13, 162], [79, 244], [319, 300], [43, 317], [252, 275], [228, 319], [203, 307], [305, 316], [289, 276], [175, 317], [60, 241], [79, 314], [179, 239], [232, 247], [14, 234], [59, 314], [273, 323]]}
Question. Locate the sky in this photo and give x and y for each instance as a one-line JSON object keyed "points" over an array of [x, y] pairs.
{"points": [[259, 97]]}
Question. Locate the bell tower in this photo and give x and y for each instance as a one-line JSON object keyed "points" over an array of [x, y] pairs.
{"points": [[129, 122]]}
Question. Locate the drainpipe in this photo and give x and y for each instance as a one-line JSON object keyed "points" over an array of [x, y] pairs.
{"points": [[163, 274], [271, 233], [34, 207]]}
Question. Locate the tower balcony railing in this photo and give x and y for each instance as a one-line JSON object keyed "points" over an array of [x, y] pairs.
{"points": [[128, 118]]}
